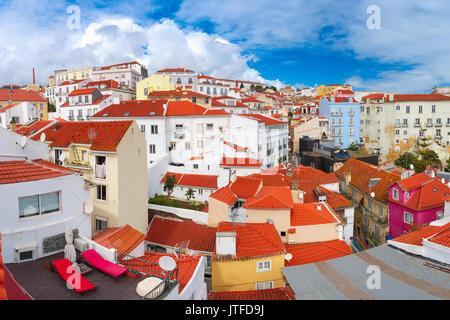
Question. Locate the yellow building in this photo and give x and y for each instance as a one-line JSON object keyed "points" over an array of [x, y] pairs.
{"points": [[323, 90], [111, 157], [247, 257], [8, 97], [182, 95], [73, 74], [156, 82]]}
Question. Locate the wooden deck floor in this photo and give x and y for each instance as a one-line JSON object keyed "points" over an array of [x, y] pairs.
{"points": [[44, 284]]}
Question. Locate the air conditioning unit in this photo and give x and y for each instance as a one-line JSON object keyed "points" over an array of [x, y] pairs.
{"points": [[81, 244]]}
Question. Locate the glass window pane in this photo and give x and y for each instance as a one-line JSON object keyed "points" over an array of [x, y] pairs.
{"points": [[28, 206], [49, 202]]}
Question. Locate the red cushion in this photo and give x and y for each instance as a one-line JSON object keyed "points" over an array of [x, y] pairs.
{"points": [[75, 280], [98, 262]]}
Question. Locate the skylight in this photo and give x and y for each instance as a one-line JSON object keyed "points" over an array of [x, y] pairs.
{"points": [[126, 114], [105, 115], [152, 113]]}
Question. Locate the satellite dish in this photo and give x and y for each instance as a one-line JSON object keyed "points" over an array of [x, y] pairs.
{"points": [[42, 138], [269, 221], [372, 194], [23, 141], [288, 256], [411, 166], [300, 195], [88, 208], [167, 263], [62, 157]]}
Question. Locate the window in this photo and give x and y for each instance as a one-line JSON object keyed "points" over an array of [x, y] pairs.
{"points": [[407, 217], [397, 107], [209, 126], [369, 204], [377, 233], [195, 166], [420, 109], [439, 215], [25, 255], [264, 285], [38, 204], [101, 224], [262, 266], [200, 144], [100, 167], [142, 127], [57, 157], [194, 99], [145, 91], [408, 108], [438, 132], [101, 192], [151, 148], [433, 108], [172, 145], [380, 211], [178, 127], [187, 145], [154, 129], [395, 194]]}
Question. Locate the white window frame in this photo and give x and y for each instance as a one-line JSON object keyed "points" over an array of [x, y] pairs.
{"points": [[406, 214], [264, 265], [265, 285], [100, 219], [19, 251], [395, 192]]}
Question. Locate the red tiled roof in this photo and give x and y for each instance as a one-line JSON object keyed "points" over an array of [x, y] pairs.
{"points": [[224, 195], [20, 95], [109, 84], [268, 121], [108, 134], [186, 266], [414, 181], [70, 82], [306, 214], [3, 295], [361, 172], [418, 97], [124, 239], [314, 176], [81, 91], [125, 64], [239, 162], [252, 240], [373, 96], [276, 179], [22, 171], [415, 238], [171, 233], [442, 237], [193, 180], [184, 108], [271, 198], [136, 108], [431, 193], [38, 125], [303, 253], [102, 98], [334, 199], [251, 99], [267, 294], [245, 187], [219, 112]]}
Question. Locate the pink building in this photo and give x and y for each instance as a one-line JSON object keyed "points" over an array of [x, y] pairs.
{"points": [[415, 201]]}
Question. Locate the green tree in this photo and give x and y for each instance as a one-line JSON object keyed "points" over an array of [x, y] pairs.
{"points": [[169, 185], [190, 194], [353, 147], [447, 167], [430, 157], [406, 159], [51, 107]]}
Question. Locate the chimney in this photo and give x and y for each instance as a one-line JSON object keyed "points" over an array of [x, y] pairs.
{"points": [[34, 78], [233, 177], [13, 125], [226, 243], [319, 207]]}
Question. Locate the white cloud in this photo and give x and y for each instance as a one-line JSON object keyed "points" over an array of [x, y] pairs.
{"points": [[109, 40]]}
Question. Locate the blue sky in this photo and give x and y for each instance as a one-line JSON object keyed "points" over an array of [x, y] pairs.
{"points": [[295, 42]]}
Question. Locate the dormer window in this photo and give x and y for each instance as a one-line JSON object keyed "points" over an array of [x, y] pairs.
{"points": [[395, 194]]}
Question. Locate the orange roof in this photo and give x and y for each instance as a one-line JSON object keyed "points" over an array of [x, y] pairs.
{"points": [[176, 93], [224, 195], [414, 181], [82, 91], [186, 266], [431, 193], [245, 187], [442, 237], [373, 96], [313, 176], [253, 240], [171, 233], [124, 239], [20, 95], [276, 179], [334, 199], [240, 162], [306, 214], [193, 180], [361, 172], [303, 253], [2, 274], [235, 147], [107, 134], [267, 294], [109, 84], [271, 198], [175, 70], [415, 238], [268, 121], [36, 126], [22, 171], [418, 97]]}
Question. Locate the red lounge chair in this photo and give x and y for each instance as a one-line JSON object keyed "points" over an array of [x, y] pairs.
{"points": [[94, 259], [62, 266]]}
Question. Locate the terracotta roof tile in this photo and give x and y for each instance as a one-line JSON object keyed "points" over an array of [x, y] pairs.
{"points": [[225, 195], [271, 198], [176, 93], [193, 180], [245, 187], [303, 253], [415, 238], [306, 214], [82, 91], [442, 237], [268, 294], [20, 95], [124, 239], [270, 180], [170, 233], [253, 240], [22, 171], [240, 162], [361, 172]]}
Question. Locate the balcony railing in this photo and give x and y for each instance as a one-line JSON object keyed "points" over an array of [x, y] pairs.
{"points": [[397, 125], [438, 125], [429, 124], [405, 125], [417, 124], [438, 137]]}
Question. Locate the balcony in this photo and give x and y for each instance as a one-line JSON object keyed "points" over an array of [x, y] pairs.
{"points": [[429, 124], [397, 125], [405, 125], [437, 137], [417, 125], [75, 164], [448, 124], [438, 125]]}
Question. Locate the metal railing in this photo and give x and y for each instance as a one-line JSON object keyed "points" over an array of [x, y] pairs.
{"points": [[150, 269]]}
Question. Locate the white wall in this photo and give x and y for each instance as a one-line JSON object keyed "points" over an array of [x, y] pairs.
{"points": [[11, 150], [31, 231], [196, 287], [156, 172], [196, 216]]}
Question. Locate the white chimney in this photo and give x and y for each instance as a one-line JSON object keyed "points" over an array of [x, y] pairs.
{"points": [[319, 207], [226, 243]]}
